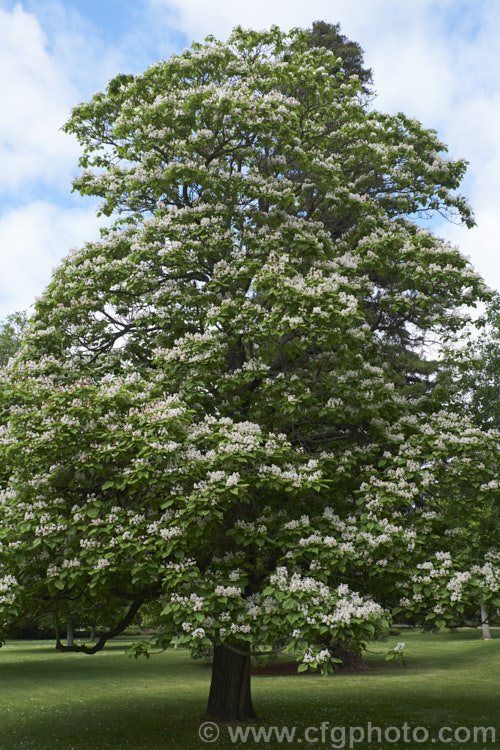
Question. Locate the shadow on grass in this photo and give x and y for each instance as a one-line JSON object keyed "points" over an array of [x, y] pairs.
{"points": [[109, 702], [110, 723]]}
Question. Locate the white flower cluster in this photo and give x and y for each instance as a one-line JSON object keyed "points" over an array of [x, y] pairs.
{"points": [[170, 533], [102, 563], [316, 658], [297, 582], [354, 607], [198, 633], [456, 583], [194, 602], [227, 591], [50, 528], [296, 477], [7, 582], [487, 576]]}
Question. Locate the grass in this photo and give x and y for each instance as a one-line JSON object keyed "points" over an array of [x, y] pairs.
{"points": [[108, 702]]}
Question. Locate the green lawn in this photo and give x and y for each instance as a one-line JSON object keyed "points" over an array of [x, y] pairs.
{"points": [[109, 702]]}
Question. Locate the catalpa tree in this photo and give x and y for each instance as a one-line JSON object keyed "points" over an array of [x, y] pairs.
{"points": [[221, 405]]}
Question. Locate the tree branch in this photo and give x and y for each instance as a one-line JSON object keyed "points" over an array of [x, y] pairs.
{"points": [[118, 628]]}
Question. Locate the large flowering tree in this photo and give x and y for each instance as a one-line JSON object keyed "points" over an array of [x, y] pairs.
{"points": [[221, 405], [470, 379]]}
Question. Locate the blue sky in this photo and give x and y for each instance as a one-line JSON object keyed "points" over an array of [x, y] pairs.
{"points": [[436, 60]]}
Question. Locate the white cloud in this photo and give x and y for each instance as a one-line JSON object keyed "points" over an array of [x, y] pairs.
{"points": [[36, 96], [481, 244], [48, 63], [33, 239], [414, 76], [198, 17]]}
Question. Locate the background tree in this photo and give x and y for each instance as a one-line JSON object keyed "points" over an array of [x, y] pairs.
{"points": [[404, 347], [11, 332], [469, 382], [328, 35], [470, 375], [205, 412]]}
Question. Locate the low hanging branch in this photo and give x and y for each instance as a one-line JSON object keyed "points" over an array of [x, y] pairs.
{"points": [[118, 628]]}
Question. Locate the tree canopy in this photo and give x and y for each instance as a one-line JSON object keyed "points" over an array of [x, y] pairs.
{"points": [[223, 403]]}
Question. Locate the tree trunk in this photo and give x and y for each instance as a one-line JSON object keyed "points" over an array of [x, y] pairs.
{"points": [[92, 633], [350, 659], [485, 624], [70, 636], [230, 697]]}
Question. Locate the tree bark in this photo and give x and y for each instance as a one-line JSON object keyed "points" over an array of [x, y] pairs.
{"points": [[230, 695], [485, 624], [350, 659], [92, 633], [70, 636]]}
